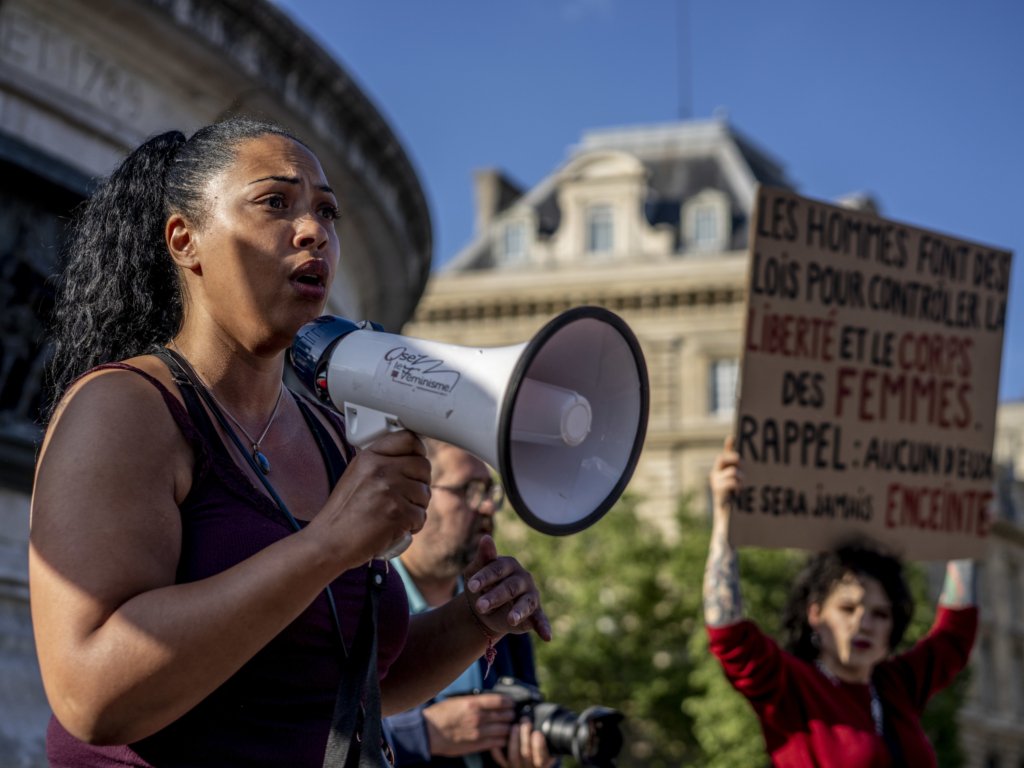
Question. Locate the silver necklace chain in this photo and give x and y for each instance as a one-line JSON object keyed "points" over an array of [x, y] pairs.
{"points": [[876, 702], [258, 456]]}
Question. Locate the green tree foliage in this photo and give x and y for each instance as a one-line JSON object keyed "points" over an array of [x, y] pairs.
{"points": [[625, 604], [620, 618]]}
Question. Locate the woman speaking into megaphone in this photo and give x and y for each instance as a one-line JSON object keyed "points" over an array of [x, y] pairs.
{"points": [[203, 587]]}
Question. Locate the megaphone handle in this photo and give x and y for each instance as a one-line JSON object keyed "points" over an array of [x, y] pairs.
{"points": [[364, 425], [396, 548]]}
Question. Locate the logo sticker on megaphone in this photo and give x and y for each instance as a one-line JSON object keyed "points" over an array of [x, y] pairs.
{"points": [[562, 417]]}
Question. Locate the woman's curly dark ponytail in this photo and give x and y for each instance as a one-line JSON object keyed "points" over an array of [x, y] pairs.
{"points": [[120, 293], [117, 269]]}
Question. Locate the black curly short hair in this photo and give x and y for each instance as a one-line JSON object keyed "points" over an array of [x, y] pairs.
{"points": [[824, 571]]}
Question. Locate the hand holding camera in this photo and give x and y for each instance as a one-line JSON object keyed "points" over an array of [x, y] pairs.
{"points": [[463, 725], [593, 738]]}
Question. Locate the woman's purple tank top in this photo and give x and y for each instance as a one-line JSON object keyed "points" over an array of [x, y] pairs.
{"points": [[276, 710]]}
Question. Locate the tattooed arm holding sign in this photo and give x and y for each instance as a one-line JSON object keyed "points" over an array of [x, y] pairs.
{"points": [[722, 603]]}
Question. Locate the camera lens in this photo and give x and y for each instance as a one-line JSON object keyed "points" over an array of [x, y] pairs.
{"points": [[558, 726], [593, 738]]}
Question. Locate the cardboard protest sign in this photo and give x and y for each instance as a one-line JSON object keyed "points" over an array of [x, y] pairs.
{"points": [[869, 382]]}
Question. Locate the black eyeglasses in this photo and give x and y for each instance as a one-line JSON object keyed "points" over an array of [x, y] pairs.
{"points": [[476, 492]]}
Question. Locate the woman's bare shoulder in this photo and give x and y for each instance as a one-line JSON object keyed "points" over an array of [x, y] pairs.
{"points": [[135, 386], [117, 417]]}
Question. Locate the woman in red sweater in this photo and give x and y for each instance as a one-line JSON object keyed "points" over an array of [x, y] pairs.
{"points": [[835, 696]]}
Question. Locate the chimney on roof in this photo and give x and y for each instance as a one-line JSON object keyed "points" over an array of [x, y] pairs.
{"points": [[494, 193], [864, 202]]}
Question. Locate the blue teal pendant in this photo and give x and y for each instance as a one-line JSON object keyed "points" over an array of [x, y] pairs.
{"points": [[263, 461]]}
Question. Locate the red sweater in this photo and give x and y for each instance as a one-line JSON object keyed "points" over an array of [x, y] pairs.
{"points": [[809, 721]]}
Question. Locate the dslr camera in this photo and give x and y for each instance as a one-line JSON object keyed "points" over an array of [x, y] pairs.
{"points": [[593, 738]]}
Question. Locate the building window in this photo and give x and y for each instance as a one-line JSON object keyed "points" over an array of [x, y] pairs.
{"points": [[1006, 503], [600, 229], [1017, 678], [722, 377], [980, 574], [987, 681], [705, 228], [705, 220], [1013, 591], [513, 243]]}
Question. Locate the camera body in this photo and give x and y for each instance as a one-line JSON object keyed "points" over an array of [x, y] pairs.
{"points": [[593, 737]]}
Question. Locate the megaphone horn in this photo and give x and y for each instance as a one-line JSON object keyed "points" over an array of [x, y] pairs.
{"points": [[562, 417]]}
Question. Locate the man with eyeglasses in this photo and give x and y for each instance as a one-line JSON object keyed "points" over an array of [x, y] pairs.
{"points": [[464, 726]]}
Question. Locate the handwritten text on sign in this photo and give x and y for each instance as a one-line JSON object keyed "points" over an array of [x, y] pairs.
{"points": [[869, 382]]}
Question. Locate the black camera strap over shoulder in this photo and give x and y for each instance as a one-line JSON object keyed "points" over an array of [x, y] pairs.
{"points": [[356, 739], [356, 720]]}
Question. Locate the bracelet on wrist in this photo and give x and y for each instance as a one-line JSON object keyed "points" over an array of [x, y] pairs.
{"points": [[490, 653]]}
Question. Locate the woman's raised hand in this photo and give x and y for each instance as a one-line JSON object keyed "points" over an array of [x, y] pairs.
{"points": [[726, 478], [502, 594]]}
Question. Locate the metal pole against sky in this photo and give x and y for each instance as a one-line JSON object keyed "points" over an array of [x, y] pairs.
{"points": [[683, 59]]}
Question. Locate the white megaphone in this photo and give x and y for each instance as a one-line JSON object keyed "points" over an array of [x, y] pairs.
{"points": [[562, 417]]}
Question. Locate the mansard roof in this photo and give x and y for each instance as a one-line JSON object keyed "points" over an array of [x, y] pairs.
{"points": [[679, 161]]}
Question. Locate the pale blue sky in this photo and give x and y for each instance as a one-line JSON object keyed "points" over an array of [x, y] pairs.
{"points": [[920, 103]]}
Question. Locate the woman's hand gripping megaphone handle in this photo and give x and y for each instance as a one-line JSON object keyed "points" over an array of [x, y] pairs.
{"points": [[362, 426]]}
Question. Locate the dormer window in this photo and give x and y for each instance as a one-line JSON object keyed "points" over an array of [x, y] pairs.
{"points": [[706, 221], [705, 228], [512, 245], [600, 229]]}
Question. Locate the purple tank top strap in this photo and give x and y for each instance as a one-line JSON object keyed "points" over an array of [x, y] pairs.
{"points": [[177, 410], [337, 422]]}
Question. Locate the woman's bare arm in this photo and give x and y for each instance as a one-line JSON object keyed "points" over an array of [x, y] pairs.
{"points": [[123, 649], [722, 602]]}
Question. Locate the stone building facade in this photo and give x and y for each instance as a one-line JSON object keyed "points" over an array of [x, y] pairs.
{"points": [[992, 732], [652, 223], [82, 83]]}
